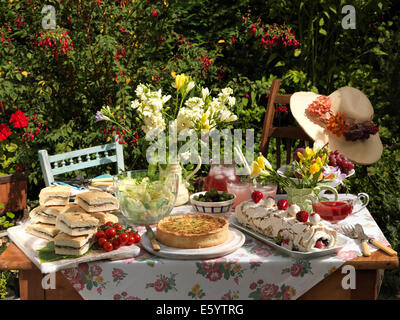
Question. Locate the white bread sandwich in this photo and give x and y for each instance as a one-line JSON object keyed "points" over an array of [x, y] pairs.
{"points": [[41, 230], [55, 196], [65, 244], [95, 201], [104, 217], [76, 223], [46, 215]]}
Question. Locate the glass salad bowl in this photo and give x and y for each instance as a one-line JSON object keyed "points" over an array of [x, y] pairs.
{"points": [[145, 198]]}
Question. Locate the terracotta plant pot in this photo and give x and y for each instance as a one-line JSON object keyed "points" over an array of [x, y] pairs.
{"points": [[13, 192]]}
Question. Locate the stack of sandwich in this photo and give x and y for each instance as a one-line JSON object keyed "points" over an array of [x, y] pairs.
{"points": [[283, 226], [71, 225]]}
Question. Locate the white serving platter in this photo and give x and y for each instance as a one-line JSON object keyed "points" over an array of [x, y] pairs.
{"points": [[341, 242], [30, 244], [235, 241]]}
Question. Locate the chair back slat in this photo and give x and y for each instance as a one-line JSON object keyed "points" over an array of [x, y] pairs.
{"points": [[84, 165], [285, 135], [81, 159]]}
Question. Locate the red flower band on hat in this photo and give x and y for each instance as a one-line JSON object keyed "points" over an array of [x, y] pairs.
{"points": [[319, 106], [339, 124]]}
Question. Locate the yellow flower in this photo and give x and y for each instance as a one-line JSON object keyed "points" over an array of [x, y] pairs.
{"points": [[24, 73], [315, 167], [127, 80], [221, 41], [307, 155], [237, 268], [99, 279], [227, 265], [180, 81]]}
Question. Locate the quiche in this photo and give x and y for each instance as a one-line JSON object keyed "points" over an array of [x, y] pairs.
{"points": [[192, 231]]}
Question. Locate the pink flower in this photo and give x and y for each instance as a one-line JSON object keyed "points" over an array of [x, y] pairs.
{"points": [[268, 291], [83, 268], [215, 274], [160, 285], [296, 269], [117, 273], [348, 255], [262, 251], [78, 284], [117, 297], [154, 13], [206, 266], [96, 270], [288, 293], [253, 285], [226, 296], [71, 273]]}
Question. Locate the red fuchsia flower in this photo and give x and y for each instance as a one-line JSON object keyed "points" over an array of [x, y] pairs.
{"points": [[154, 13], [233, 40], [122, 30], [247, 95], [19, 119], [4, 131]]}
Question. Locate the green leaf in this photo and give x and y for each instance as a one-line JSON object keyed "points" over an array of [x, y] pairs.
{"points": [[323, 32], [47, 254]]}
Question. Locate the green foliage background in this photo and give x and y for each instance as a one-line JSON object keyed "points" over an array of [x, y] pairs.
{"points": [[66, 91]]}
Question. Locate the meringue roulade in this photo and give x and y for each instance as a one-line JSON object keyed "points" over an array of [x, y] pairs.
{"points": [[283, 226]]}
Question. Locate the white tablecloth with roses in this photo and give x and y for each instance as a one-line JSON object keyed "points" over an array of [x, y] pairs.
{"points": [[254, 271]]}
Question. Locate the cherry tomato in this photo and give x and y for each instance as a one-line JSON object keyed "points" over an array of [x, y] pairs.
{"points": [[117, 226], [101, 241], [100, 234], [131, 240], [110, 233], [116, 244], [107, 246], [137, 237], [123, 238], [109, 223]]}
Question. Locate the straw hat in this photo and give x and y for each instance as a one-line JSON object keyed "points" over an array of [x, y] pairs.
{"points": [[347, 104]]}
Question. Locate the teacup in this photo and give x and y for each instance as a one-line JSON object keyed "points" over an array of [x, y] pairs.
{"points": [[337, 210]]}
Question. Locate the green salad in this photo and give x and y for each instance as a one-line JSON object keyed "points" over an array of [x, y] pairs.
{"points": [[144, 201]]}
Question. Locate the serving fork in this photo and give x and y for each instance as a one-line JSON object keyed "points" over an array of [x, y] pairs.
{"points": [[357, 232]]}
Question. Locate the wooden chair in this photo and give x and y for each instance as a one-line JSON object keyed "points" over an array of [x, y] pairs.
{"points": [[285, 135], [53, 165]]}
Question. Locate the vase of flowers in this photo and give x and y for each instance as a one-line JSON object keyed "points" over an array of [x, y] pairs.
{"points": [[309, 181], [188, 115]]}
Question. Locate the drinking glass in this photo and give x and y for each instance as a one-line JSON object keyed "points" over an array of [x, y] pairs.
{"points": [[219, 176], [242, 190]]}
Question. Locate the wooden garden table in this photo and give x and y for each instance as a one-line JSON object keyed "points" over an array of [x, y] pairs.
{"points": [[369, 273]]}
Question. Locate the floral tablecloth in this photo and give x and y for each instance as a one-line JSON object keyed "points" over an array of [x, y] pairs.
{"points": [[254, 271]]}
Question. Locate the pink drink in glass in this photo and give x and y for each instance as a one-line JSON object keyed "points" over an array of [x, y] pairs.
{"points": [[241, 190], [219, 176]]}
